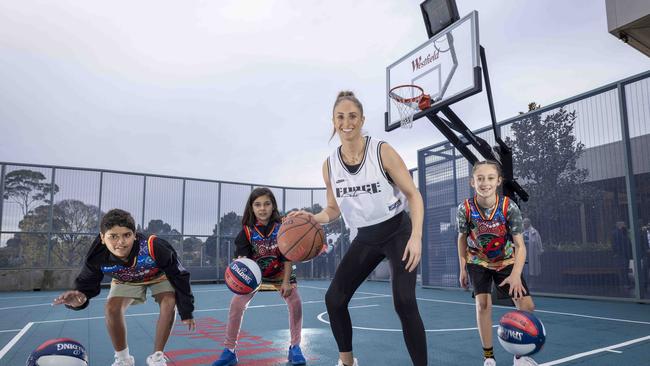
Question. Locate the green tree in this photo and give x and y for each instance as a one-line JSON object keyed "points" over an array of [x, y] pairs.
{"points": [[160, 228], [315, 208], [165, 231], [545, 155], [74, 227], [25, 187], [229, 226], [10, 254], [192, 251], [72, 218]]}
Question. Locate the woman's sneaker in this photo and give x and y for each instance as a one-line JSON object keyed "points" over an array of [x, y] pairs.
{"points": [[356, 363], [490, 362]]}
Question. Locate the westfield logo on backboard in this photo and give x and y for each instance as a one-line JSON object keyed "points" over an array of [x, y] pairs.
{"points": [[420, 62]]}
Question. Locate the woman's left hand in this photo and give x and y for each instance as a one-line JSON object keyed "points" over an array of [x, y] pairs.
{"points": [[412, 253], [286, 289]]}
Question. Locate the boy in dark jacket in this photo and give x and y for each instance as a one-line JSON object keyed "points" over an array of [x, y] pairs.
{"points": [[135, 263]]}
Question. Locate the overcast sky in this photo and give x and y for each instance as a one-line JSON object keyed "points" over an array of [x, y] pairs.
{"points": [[243, 90]]}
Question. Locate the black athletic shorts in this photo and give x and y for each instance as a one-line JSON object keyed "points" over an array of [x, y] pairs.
{"points": [[482, 279]]}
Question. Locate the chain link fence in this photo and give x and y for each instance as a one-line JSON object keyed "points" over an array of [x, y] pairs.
{"points": [[50, 215], [585, 162]]}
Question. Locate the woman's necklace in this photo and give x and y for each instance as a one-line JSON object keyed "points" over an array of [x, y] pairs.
{"points": [[353, 158]]}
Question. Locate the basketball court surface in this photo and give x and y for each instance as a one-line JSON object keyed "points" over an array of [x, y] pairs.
{"points": [[579, 332]]}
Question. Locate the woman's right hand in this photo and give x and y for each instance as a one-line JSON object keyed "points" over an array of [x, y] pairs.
{"points": [[463, 278], [72, 298], [298, 213]]}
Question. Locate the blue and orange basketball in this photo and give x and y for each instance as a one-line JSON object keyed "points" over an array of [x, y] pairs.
{"points": [[521, 333], [243, 276], [59, 352]]}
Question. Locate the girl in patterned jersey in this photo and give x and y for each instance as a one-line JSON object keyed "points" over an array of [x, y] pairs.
{"points": [[257, 241], [491, 249], [369, 185]]}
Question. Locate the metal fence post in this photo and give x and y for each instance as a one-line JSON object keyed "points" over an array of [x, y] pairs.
{"points": [[183, 223], [218, 233], [2, 192], [631, 190], [183, 210], [144, 200], [51, 220], [99, 204], [454, 179], [422, 187], [311, 191]]}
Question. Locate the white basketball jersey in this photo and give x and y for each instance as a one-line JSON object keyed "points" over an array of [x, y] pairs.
{"points": [[365, 197]]}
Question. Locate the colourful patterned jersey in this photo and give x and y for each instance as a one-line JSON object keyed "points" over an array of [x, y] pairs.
{"points": [[144, 269], [267, 254], [489, 240]]}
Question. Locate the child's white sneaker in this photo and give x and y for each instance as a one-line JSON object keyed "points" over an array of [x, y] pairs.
{"points": [[523, 361], [157, 359], [124, 361]]}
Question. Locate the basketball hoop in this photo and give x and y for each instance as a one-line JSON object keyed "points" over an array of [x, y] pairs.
{"points": [[409, 99]]}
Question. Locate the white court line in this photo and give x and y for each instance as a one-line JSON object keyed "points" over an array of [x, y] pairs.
{"points": [[14, 340], [284, 304], [215, 290], [43, 304], [9, 330], [593, 317], [23, 297], [356, 292], [322, 319], [196, 311], [39, 296], [599, 350], [95, 299], [375, 295], [362, 306], [17, 337], [545, 311], [510, 307], [26, 306], [320, 316]]}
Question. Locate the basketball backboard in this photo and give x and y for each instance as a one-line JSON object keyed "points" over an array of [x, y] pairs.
{"points": [[446, 67]]}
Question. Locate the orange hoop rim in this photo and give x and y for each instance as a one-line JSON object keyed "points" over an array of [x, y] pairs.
{"points": [[400, 99]]}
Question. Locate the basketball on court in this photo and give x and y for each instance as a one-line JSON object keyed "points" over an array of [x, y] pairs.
{"points": [[301, 238], [59, 352], [243, 276], [521, 333]]}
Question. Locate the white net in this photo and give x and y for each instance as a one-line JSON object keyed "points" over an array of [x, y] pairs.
{"points": [[406, 99]]}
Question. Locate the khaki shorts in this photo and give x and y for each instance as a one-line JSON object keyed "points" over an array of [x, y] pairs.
{"points": [[138, 292]]}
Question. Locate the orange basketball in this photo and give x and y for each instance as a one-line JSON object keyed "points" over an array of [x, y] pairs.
{"points": [[301, 238]]}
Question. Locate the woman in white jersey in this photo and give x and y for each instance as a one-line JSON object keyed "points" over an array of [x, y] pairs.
{"points": [[369, 185]]}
